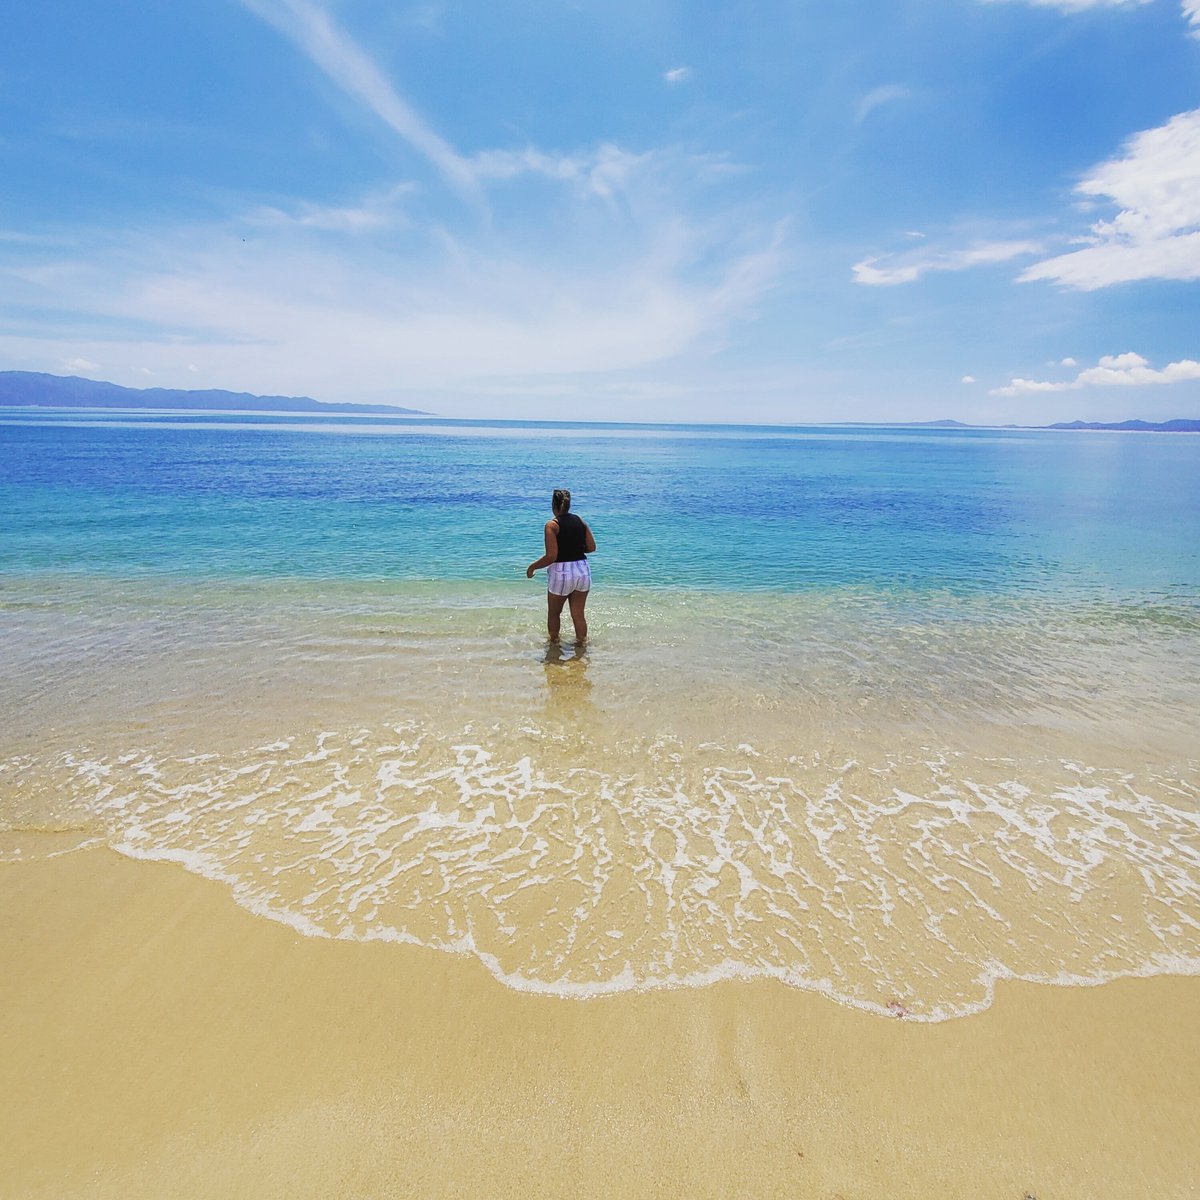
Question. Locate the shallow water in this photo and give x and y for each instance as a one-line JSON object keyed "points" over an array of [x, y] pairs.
{"points": [[888, 714]]}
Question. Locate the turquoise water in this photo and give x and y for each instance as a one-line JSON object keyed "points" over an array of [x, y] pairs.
{"points": [[740, 508], [891, 714]]}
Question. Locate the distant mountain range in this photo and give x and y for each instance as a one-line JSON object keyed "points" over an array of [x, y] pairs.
{"points": [[70, 391]]}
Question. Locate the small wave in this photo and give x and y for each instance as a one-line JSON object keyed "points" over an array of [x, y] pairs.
{"points": [[902, 884]]}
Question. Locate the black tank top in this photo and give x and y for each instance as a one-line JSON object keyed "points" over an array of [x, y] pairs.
{"points": [[572, 538]]}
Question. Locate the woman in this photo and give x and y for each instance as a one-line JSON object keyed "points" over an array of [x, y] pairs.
{"points": [[568, 543]]}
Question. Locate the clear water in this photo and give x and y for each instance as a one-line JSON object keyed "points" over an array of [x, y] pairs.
{"points": [[889, 713], [739, 508]]}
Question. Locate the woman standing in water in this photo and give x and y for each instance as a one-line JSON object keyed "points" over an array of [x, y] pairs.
{"points": [[569, 579]]}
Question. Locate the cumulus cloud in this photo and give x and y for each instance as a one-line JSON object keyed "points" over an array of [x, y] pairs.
{"points": [[1191, 12], [1155, 233], [888, 93], [889, 270], [968, 379], [1113, 370], [678, 74]]}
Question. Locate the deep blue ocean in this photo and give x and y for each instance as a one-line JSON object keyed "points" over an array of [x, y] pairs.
{"points": [[729, 507]]}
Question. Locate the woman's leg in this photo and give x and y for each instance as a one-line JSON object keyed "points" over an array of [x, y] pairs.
{"points": [[554, 607], [578, 601]]}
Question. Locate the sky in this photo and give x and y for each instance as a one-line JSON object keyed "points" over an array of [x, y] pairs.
{"points": [[983, 210]]}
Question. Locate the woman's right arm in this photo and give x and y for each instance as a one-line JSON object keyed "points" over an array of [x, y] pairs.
{"points": [[551, 554], [590, 542]]}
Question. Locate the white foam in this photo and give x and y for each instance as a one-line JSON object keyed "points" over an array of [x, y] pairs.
{"points": [[900, 886]]}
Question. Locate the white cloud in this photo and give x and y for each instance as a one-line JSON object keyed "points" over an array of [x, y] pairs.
{"points": [[889, 93], [1113, 370], [378, 210], [968, 379], [348, 65], [1072, 6], [76, 365], [1191, 8], [296, 309], [678, 74], [604, 172], [1069, 362], [611, 262], [1156, 231], [426, 17], [889, 270]]}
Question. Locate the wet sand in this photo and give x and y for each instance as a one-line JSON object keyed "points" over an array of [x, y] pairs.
{"points": [[158, 1041]]}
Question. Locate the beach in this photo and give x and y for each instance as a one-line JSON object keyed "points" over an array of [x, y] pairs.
{"points": [[567, 628], [162, 1042], [867, 867]]}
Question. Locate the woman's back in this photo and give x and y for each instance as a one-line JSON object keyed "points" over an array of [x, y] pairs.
{"points": [[572, 538]]}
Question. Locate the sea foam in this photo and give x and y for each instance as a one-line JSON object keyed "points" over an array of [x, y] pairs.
{"points": [[905, 885]]}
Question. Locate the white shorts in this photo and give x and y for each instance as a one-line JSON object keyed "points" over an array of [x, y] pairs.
{"points": [[566, 577]]}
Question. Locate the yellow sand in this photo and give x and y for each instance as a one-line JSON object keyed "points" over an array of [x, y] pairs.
{"points": [[160, 1042]]}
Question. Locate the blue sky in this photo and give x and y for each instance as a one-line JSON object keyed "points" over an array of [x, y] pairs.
{"points": [[980, 209]]}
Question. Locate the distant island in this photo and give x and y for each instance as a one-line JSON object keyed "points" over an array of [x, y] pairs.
{"points": [[1179, 425], [33, 388]]}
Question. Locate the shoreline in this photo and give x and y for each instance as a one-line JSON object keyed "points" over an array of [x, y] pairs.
{"points": [[1176, 966], [161, 1041]]}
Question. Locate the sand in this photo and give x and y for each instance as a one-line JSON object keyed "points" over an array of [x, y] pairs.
{"points": [[158, 1041]]}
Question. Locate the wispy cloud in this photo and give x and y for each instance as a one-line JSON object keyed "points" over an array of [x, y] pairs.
{"points": [[317, 304], [1156, 232], [604, 171], [888, 93], [1191, 8], [378, 210], [890, 270], [1073, 6], [1113, 370], [331, 49], [604, 261], [678, 74], [427, 17]]}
